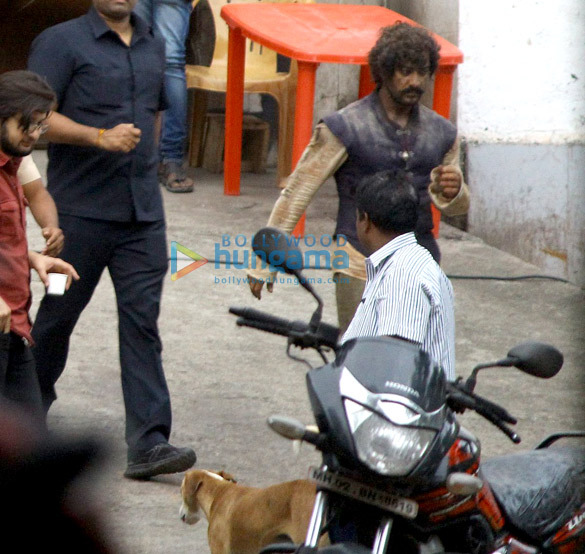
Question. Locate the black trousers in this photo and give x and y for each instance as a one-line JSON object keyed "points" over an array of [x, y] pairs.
{"points": [[136, 257], [18, 378]]}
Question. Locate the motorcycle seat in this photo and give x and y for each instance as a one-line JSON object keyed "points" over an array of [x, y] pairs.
{"points": [[538, 490]]}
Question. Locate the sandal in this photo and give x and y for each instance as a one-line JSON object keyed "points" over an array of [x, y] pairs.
{"points": [[174, 179]]}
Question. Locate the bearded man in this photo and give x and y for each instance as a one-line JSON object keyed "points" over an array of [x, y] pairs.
{"points": [[26, 102], [386, 130]]}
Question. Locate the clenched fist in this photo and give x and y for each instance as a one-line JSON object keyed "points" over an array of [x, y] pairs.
{"points": [[121, 138], [447, 181]]}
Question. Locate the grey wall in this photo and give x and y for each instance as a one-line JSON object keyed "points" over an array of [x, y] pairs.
{"points": [[529, 200]]}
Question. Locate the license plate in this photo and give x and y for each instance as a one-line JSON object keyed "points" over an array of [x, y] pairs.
{"points": [[354, 489]]}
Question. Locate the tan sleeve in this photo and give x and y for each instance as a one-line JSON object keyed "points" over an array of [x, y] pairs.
{"points": [[460, 204], [28, 170], [321, 159]]}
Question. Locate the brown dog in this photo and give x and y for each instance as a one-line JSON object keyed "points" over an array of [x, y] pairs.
{"points": [[244, 519]]}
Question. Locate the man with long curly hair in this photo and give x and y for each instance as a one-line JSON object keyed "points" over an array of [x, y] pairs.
{"points": [[386, 130]]}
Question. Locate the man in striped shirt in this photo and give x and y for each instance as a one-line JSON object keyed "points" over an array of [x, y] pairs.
{"points": [[407, 294]]}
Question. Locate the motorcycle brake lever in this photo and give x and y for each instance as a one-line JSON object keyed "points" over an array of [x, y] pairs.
{"points": [[511, 434], [499, 412], [460, 398], [494, 418]]}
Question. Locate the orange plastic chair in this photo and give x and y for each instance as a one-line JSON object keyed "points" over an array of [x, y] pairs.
{"points": [[261, 77]]}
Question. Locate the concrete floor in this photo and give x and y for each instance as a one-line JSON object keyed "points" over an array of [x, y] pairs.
{"points": [[226, 380]]}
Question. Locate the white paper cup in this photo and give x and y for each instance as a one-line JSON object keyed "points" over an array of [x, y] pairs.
{"points": [[57, 282]]}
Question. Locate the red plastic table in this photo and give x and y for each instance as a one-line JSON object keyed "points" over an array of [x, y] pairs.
{"points": [[311, 34]]}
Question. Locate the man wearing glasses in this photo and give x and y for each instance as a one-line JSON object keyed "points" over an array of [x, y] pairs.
{"points": [[25, 103]]}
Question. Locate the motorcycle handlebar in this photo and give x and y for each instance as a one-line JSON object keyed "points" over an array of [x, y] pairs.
{"points": [[262, 326], [493, 418], [497, 411], [298, 332], [263, 321], [461, 399]]}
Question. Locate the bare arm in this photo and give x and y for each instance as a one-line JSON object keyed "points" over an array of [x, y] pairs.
{"points": [[43, 209], [121, 138], [5, 314]]}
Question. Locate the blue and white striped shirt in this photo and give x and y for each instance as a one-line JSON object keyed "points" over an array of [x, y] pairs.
{"points": [[408, 295]]}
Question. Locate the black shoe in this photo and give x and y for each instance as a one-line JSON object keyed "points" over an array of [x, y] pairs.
{"points": [[162, 458]]}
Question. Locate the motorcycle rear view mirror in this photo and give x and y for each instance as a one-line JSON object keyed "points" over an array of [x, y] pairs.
{"points": [[277, 249], [535, 358]]}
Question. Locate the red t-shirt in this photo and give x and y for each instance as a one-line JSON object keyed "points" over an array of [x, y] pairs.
{"points": [[14, 264]]}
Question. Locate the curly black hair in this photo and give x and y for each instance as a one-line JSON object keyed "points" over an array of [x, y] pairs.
{"points": [[402, 44]]}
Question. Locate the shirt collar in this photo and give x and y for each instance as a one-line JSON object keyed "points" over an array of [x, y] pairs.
{"points": [[100, 28], [379, 256], [10, 163], [4, 159]]}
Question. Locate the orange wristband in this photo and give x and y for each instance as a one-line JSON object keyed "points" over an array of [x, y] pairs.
{"points": [[99, 137]]}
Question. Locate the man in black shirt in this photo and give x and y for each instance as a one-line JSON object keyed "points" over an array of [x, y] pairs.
{"points": [[107, 69]]}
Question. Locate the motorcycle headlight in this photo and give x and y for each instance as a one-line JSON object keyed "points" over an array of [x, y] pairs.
{"points": [[387, 448]]}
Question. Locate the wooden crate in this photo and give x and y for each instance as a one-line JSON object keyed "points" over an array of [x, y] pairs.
{"points": [[255, 139]]}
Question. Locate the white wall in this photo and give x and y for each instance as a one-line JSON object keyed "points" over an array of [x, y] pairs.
{"points": [[524, 71], [521, 109]]}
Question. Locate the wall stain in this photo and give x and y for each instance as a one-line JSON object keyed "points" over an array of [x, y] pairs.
{"points": [[561, 255]]}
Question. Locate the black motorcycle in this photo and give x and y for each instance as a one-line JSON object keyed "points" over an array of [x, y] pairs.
{"points": [[399, 474]]}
